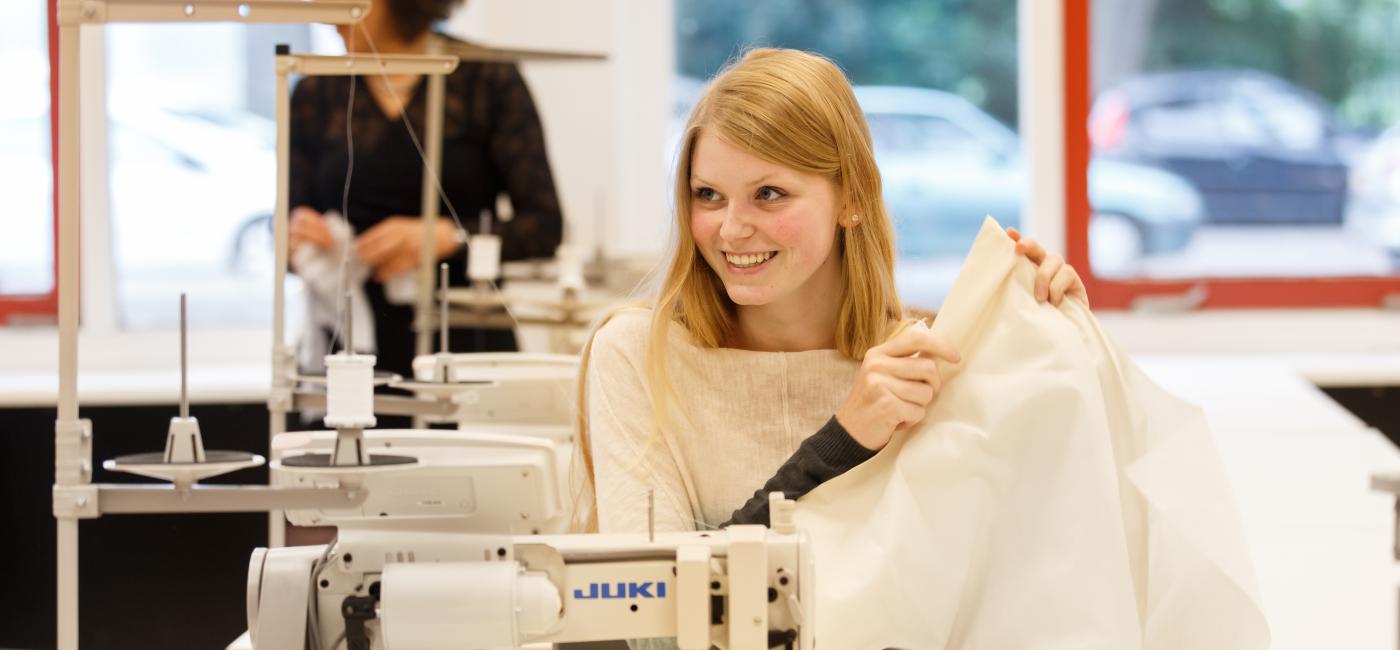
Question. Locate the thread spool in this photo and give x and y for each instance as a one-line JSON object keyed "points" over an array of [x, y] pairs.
{"points": [[484, 258], [570, 267], [350, 391]]}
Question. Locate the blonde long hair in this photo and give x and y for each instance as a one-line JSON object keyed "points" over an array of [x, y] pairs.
{"points": [[794, 109]]}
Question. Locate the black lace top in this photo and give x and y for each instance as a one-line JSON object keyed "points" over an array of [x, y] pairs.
{"points": [[492, 143]]}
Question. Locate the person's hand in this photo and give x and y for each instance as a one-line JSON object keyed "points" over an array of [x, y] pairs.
{"points": [[897, 381], [392, 246], [307, 226], [1054, 278]]}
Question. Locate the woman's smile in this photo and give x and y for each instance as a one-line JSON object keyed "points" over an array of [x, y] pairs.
{"points": [[748, 263]]}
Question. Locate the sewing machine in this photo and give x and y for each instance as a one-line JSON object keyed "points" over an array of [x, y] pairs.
{"points": [[428, 560], [442, 548]]}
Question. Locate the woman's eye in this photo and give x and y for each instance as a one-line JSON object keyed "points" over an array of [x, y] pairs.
{"points": [[706, 194], [770, 193]]}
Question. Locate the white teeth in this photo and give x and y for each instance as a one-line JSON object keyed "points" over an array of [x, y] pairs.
{"points": [[748, 260]]}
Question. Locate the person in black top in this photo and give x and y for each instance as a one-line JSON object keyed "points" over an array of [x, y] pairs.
{"points": [[492, 143]]}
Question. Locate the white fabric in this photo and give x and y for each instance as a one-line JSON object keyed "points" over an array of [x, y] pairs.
{"points": [[1053, 498], [320, 272]]}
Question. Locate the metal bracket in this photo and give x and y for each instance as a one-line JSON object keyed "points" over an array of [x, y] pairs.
{"points": [[73, 431], [383, 405], [352, 64], [129, 498], [72, 462], [75, 502], [96, 12]]}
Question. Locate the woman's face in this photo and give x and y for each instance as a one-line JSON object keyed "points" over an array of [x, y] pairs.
{"points": [[768, 231]]}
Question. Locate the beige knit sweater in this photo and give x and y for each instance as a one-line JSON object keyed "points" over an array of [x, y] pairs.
{"points": [[744, 413]]}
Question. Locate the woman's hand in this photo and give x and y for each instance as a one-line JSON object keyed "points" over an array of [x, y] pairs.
{"points": [[897, 381], [1054, 279], [392, 246], [307, 226]]}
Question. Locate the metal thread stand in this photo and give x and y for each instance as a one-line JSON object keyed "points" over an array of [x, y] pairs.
{"points": [[74, 495], [281, 400]]}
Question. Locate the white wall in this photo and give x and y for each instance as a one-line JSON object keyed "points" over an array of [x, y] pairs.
{"points": [[605, 122]]}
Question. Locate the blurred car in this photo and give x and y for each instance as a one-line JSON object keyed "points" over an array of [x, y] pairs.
{"points": [[1373, 209], [184, 187], [945, 164], [1258, 148]]}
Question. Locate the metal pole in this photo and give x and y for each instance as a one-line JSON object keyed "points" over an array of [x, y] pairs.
{"points": [[349, 344], [184, 361], [277, 405], [442, 310], [431, 169], [67, 455]]}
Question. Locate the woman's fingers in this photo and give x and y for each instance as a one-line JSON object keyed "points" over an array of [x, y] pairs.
{"points": [[1068, 283], [913, 392], [403, 262], [1062, 283], [920, 341], [1031, 249], [910, 414], [1054, 278], [308, 227], [919, 368], [378, 244], [1044, 274]]}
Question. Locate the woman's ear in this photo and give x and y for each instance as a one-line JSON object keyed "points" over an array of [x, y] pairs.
{"points": [[844, 216]]}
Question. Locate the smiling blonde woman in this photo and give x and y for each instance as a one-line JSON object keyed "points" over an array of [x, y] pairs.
{"points": [[772, 356]]}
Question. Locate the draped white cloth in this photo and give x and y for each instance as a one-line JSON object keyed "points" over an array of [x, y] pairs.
{"points": [[1054, 497]]}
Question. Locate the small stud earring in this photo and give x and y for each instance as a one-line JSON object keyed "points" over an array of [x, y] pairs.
{"points": [[855, 219]]}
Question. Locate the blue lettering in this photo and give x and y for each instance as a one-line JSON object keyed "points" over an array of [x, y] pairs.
{"points": [[592, 592], [618, 590]]}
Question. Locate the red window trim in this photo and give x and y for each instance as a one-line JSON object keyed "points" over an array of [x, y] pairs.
{"points": [[1243, 293], [38, 307]]}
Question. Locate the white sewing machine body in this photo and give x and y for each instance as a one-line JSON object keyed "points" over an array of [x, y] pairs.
{"points": [[426, 561], [507, 482], [501, 387]]}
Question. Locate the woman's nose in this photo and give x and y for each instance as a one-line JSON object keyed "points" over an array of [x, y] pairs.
{"points": [[736, 224]]}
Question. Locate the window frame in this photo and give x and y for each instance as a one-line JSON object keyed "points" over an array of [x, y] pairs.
{"points": [[1203, 292], [15, 308]]}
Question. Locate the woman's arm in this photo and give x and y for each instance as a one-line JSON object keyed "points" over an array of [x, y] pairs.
{"points": [[517, 148], [828, 453], [305, 120]]}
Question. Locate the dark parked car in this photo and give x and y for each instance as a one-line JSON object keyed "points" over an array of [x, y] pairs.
{"points": [[1258, 148], [945, 164]]}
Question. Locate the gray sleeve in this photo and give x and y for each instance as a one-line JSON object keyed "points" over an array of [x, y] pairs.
{"points": [[828, 453]]}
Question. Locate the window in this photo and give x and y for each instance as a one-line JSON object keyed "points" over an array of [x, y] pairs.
{"points": [[938, 114], [27, 249], [192, 169], [1269, 125], [904, 134]]}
